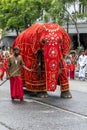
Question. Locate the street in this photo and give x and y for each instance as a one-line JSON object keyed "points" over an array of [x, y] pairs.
{"points": [[52, 113]]}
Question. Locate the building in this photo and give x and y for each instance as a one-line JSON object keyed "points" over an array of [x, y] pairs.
{"points": [[74, 9]]}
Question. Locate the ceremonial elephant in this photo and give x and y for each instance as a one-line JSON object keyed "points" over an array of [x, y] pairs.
{"points": [[42, 48]]}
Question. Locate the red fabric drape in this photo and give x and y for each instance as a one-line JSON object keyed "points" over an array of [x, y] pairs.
{"points": [[30, 41]]}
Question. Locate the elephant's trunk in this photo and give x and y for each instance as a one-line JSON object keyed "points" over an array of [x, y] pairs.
{"points": [[39, 57], [52, 58]]}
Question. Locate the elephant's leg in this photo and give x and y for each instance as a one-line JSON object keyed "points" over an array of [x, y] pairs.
{"points": [[66, 94], [64, 83], [41, 94]]}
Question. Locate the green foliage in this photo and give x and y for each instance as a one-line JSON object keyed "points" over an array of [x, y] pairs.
{"points": [[19, 14]]}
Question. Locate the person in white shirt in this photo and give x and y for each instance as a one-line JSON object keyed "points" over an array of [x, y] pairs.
{"points": [[82, 61]]}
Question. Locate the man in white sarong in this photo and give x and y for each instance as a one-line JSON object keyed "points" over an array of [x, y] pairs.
{"points": [[82, 65]]}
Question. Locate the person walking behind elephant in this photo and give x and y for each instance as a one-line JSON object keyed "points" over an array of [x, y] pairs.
{"points": [[68, 62], [72, 70], [82, 65], [15, 63], [1, 71]]}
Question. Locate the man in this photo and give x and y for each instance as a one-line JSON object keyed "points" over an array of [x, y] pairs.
{"points": [[82, 65], [15, 63]]}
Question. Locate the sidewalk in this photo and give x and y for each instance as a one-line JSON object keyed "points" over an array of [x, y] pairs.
{"points": [[77, 72], [2, 127], [78, 85]]}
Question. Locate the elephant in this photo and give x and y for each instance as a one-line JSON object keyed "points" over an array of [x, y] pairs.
{"points": [[43, 47]]}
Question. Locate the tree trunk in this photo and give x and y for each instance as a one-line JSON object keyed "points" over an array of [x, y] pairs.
{"points": [[78, 36], [17, 30]]}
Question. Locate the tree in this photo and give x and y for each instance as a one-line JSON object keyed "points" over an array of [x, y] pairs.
{"points": [[61, 14], [18, 14]]}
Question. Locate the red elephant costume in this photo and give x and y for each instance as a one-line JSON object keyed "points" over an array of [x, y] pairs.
{"points": [[54, 42]]}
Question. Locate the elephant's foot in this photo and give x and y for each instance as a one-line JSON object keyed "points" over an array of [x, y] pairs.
{"points": [[66, 94], [42, 94], [32, 94]]}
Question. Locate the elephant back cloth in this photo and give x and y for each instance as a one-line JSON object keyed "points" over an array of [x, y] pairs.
{"points": [[52, 41]]}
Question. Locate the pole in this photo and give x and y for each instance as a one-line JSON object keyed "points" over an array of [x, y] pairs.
{"points": [[10, 77]]}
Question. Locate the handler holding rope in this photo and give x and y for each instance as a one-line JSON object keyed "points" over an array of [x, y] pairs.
{"points": [[15, 63]]}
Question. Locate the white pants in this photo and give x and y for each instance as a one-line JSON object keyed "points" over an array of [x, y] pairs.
{"points": [[82, 72]]}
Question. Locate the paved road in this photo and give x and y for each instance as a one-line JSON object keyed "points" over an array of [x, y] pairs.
{"points": [[52, 113]]}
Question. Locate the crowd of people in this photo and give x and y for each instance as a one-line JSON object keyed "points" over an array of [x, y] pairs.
{"points": [[76, 63], [4, 55]]}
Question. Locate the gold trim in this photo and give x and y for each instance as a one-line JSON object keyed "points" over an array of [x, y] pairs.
{"points": [[64, 90], [40, 84], [65, 84], [36, 90], [51, 30]]}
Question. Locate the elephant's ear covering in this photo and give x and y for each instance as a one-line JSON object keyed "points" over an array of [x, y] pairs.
{"points": [[35, 45], [65, 43], [35, 38]]}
